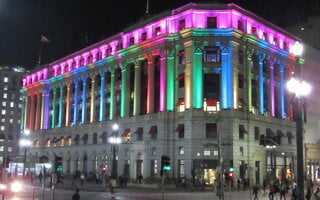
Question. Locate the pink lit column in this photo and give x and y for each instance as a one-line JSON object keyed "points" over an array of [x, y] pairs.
{"points": [[150, 99]]}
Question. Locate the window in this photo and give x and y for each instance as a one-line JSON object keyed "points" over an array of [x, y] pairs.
{"points": [[154, 151], [211, 22], [3, 112], [139, 134], [143, 36], [240, 57], [157, 31], [154, 168], [275, 41], [2, 137], [11, 104], [6, 79], [181, 150], [2, 128], [241, 151], [207, 151], [254, 31], [181, 168], [5, 95], [256, 133], [182, 24], [9, 149], [242, 131], [285, 46], [153, 132], [3, 120], [211, 130], [131, 41], [265, 36], [240, 25], [4, 103], [95, 138], [180, 105], [211, 54], [182, 57], [180, 130], [1, 148], [180, 80], [5, 87]]}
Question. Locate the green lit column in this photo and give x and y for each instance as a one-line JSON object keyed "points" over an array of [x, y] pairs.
{"points": [[249, 78], [60, 106], [197, 78], [102, 95], [137, 88], [125, 91], [112, 99], [53, 118], [170, 80]]}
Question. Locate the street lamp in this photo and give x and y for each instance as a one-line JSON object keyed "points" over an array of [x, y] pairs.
{"points": [[300, 88], [25, 143], [114, 141]]}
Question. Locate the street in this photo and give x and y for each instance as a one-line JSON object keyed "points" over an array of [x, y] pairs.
{"points": [[127, 194]]}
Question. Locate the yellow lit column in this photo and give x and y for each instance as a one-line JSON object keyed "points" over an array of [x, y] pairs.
{"points": [[137, 88], [150, 99], [42, 109], [249, 78], [188, 74], [92, 94], [125, 91], [67, 99], [32, 112]]}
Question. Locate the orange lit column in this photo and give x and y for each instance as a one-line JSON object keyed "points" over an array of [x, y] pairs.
{"points": [[26, 112], [67, 99], [137, 88], [150, 99], [93, 103], [38, 111], [188, 73]]}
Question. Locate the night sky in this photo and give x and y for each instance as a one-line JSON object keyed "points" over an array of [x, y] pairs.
{"points": [[74, 24]]}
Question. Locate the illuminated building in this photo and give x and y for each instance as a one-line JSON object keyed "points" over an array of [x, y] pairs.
{"points": [[174, 84]]}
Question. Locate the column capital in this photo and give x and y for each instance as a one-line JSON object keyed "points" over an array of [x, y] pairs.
{"points": [[198, 46], [250, 52]]}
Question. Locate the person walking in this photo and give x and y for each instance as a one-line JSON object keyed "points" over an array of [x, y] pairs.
{"points": [[308, 195], [82, 178], [255, 191], [282, 190], [76, 195]]}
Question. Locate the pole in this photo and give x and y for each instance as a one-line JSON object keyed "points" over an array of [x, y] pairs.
{"points": [[299, 140], [114, 170], [221, 185], [42, 185], [162, 185], [24, 162]]}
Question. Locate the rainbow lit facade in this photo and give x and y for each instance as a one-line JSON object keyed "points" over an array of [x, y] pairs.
{"points": [[186, 67]]}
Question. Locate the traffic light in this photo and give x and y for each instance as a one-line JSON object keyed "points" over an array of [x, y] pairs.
{"points": [[104, 169], [58, 164], [228, 175], [165, 163]]}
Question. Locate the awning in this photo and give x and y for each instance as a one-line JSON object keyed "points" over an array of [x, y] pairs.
{"points": [[139, 130], [104, 135], [280, 134], [57, 140], [290, 135], [85, 137], [180, 77], [76, 138], [180, 101], [36, 141], [179, 128], [67, 138], [153, 130], [243, 129], [270, 133], [125, 133], [211, 102]]}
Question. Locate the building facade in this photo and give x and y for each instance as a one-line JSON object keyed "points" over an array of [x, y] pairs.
{"points": [[202, 83], [11, 109]]}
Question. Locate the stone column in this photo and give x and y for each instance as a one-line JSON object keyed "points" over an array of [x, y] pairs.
{"points": [[46, 106], [32, 112], [75, 101], [163, 80], [137, 88], [125, 92], [38, 111], [102, 94], [53, 119], [150, 99], [60, 120], [67, 99], [93, 98], [84, 100]]}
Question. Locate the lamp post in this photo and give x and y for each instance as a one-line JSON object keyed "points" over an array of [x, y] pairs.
{"points": [[25, 143], [114, 141], [299, 88]]}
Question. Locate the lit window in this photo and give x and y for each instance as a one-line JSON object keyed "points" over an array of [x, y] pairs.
{"points": [[11, 104], [21, 98], [157, 31], [3, 112], [2, 128], [4, 103], [143, 36], [182, 57], [5, 95], [182, 24], [9, 149], [5, 87], [6, 79], [20, 105], [181, 150], [3, 120], [11, 121], [206, 151], [13, 96], [1, 148]]}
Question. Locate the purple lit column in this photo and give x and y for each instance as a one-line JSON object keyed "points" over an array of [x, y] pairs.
{"points": [[272, 88], [46, 105], [163, 80]]}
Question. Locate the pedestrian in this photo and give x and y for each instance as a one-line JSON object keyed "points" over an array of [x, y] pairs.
{"points": [[308, 195], [295, 192], [255, 191], [282, 190], [82, 178], [271, 191], [238, 184], [316, 194], [76, 195], [40, 177]]}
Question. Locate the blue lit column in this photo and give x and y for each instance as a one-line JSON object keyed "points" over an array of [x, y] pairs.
{"points": [[226, 78], [84, 100], [282, 100], [261, 81], [102, 92], [75, 101]]}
